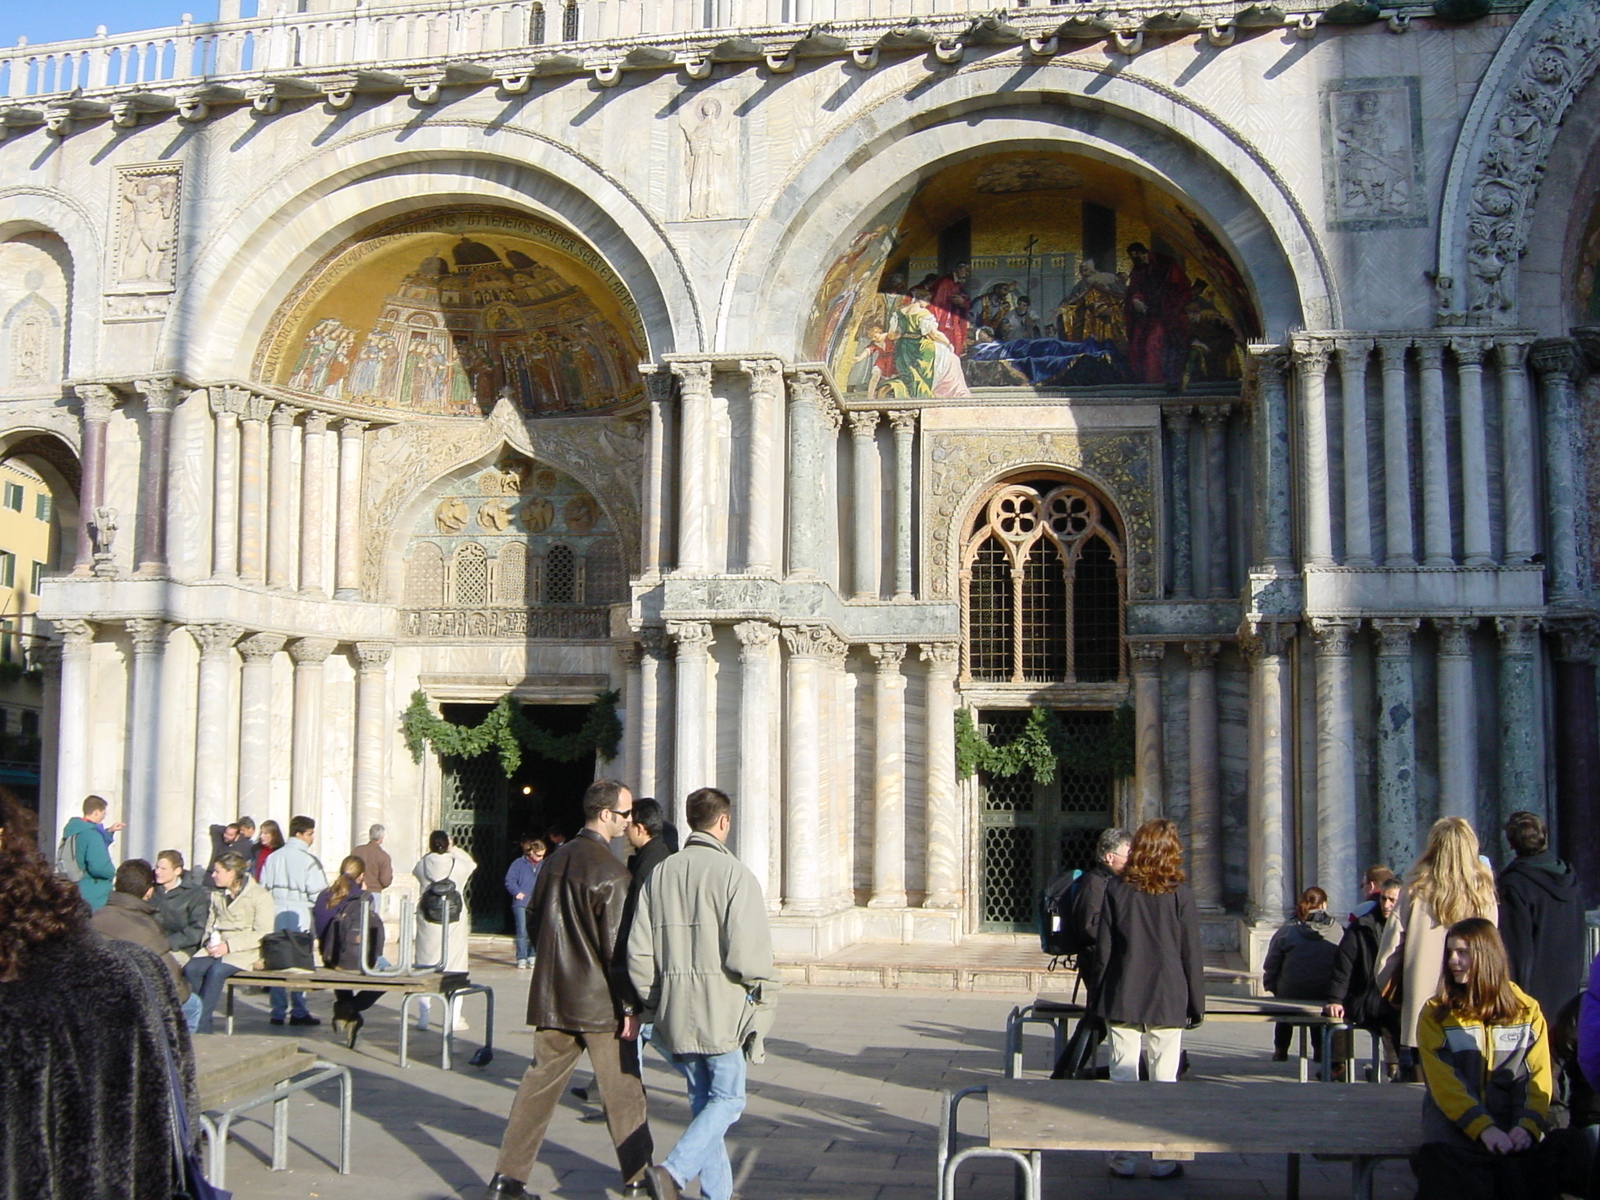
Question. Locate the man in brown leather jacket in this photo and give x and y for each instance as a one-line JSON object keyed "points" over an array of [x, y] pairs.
{"points": [[573, 920]]}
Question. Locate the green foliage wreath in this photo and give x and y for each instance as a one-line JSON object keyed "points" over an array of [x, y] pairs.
{"points": [[1045, 745], [510, 733]]}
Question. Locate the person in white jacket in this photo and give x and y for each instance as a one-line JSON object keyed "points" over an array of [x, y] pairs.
{"points": [[295, 878], [444, 861]]}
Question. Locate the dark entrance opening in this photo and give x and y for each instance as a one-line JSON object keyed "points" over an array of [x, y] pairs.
{"points": [[487, 815]]}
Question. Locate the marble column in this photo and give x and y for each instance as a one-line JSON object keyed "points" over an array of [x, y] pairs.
{"points": [[904, 425], [1401, 551], [1149, 777], [656, 718], [1214, 419], [754, 842], [632, 712], [888, 784], [1271, 774], [226, 405], [374, 720], [1435, 436], [695, 467], [213, 725], [140, 809], [864, 502], [347, 554], [77, 703], [1353, 355], [1517, 457], [97, 401], [1556, 361], [253, 489], [1521, 764], [255, 723], [1205, 777], [943, 819], [47, 661], [1475, 544], [658, 492], [696, 722], [1275, 460], [1397, 743], [1577, 745], [280, 512], [313, 498], [160, 396], [802, 851], [1336, 867], [1177, 422], [766, 407], [1458, 719], [305, 770], [808, 482], [1311, 362]]}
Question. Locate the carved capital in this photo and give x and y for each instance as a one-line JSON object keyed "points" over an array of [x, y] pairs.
{"points": [[283, 416], [1430, 355], [630, 653], [260, 647], [1333, 636], [1215, 417], [1177, 418], [657, 383], [834, 650], [1392, 353], [940, 656], [257, 408], [229, 401], [766, 375], [1267, 639], [1147, 656], [807, 641], [754, 637], [1270, 364], [160, 393], [888, 656], [149, 634], [215, 638], [1202, 654], [1556, 358], [1512, 356], [654, 641], [1469, 351], [311, 651], [1519, 636], [693, 638], [903, 422], [1311, 358], [1576, 639], [863, 426], [77, 638], [805, 387], [350, 429], [694, 380], [1455, 635], [97, 401], [1394, 636], [316, 422], [1353, 352], [373, 657]]}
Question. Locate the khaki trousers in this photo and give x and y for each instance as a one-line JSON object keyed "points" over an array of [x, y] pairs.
{"points": [[616, 1073]]}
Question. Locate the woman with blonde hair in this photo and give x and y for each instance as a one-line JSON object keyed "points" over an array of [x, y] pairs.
{"points": [[1449, 883], [346, 936]]}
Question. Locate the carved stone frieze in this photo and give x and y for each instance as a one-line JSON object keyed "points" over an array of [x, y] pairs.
{"points": [[557, 621]]}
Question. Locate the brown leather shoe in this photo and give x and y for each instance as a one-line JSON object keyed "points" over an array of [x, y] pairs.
{"points": [[660, 1184]]}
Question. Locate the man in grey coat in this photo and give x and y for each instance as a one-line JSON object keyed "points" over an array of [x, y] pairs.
{"points": [[295, 878], [700, 956]]}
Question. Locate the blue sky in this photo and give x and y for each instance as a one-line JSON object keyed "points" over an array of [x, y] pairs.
{"points": [[61, 20]]}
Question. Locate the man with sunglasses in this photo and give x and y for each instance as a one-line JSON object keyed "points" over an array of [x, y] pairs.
{"points": [[573, 921]]}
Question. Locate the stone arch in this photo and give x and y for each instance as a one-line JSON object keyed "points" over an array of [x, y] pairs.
{"points": [[55, 458], [1489, 208], [245, 270], [69, 224], [1548, 287], [1133, 123]]}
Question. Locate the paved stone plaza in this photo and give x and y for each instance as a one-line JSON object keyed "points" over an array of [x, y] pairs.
{"points": [[847, 1105]]}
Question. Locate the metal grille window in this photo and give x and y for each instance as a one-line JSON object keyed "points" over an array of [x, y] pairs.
{"points": [[604, 580], [425, 576], [472, 574], [511, 579], [560, 576], [1044, 581], [536, 32], [569, 23]]}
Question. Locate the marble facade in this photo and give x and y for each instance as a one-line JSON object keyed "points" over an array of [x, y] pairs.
{"points": [[1357, 583]]}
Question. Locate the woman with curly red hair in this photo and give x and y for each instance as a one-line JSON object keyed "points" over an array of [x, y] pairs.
{"points": [[1148, 959]]}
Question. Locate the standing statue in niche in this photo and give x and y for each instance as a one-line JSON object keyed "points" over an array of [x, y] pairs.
{"points": [[149, 203], [709, 130], [103, 534]]}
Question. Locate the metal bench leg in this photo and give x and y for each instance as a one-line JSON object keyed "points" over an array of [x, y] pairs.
{"points": [[219, 1147], [1303, 1052], [1029, 1175], [346, 1104], [214, 1148], [948, 1115], [228, 1005], [1362, 1169], [1012, 1055], [447, 1043], [280, 1131], [405, 1025], [1377, 1056]]}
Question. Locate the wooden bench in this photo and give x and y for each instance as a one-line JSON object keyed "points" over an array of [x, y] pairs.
{"points": [[449, 988], [1340, 1122]]}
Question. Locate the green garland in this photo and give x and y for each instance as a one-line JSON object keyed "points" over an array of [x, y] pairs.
{"points": [[1045, 745], [510, 733]]}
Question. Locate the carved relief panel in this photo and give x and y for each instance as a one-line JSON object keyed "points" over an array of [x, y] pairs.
{"points": [[143, 270], [1372, 153]]}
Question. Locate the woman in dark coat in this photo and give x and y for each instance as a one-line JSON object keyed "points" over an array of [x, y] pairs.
{"points": [[343, 932], [1300, 963], [1148, 959]]}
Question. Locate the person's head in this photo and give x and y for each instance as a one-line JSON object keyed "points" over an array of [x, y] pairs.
{"points": [[961, 272], [1449, 876], [533, 849], [351, 873], [376, 834], [135, 878], [1373, 880], [553, 837], [230, 871], [1476, 981], [1526, 834], [1311, 900], [607, 808], [1139, 252], [37, 905], [271, 835], [304, 828], [169, 869], [709, 811], [1388, 896], [230, 834], [438, 842], [647, 823], [94, 809], [247, 827], [1112, 848], [1023, 302], [1155, 858]]}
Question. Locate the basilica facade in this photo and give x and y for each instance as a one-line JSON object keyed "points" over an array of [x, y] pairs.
{"points": [[849, 396]]}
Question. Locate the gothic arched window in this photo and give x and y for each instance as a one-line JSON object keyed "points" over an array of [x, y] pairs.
{"points": [[560, 576], [1043, 579], [471, 574]]}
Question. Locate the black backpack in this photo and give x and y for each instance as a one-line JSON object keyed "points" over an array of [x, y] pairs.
{"points": [[1058, 932], [441, 901]]}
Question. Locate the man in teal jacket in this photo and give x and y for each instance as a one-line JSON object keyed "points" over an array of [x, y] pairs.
{"points": [[91, 850]]}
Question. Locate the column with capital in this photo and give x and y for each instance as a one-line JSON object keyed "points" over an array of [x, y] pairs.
{"points": [[1435, 436], [1458, 719], [373, 716], [753, 833], [305, 770], [1205, 777], [1556, 361], [1149, 779], [766, 416], [1401, 550], [313, 498], [694, 466], [888, 785], [802, 849], [255, 722], [942, 815], [1177, 422], [656, 719], [904, 425], [1274, 458], [160, 397], [1577, 744], [808, 481], [72, 736], [280, 510], [149, 636], [347, 554], [1521, 764], [1353, 354], [1397, 742], [1336, 761], [1475, 544], [1271, 772], [835, 696], [97, 401], [1214, 420], [227, 404], [1311, 365], [864, 502], [658, 548], [1517, 459], [213, 725], [253, 488], [692, 752], [630, 653]]}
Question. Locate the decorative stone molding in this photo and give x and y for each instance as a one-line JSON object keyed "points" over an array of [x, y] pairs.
{"points": [[311, 651], [316, 422], [282, 415], [766, 375], [373, 656], [1311, 357], [261, 647], [226, 400], [215, 638], [903, 421]]}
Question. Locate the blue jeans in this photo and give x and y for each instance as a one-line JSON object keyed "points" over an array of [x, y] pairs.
{"points": [[281, 997], [716, 1098], [206, 976], [519, 917], [191, 1011]]}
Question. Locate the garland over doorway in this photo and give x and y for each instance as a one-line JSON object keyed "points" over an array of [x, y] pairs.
{"points": [[507, 731], [1045, 744]]}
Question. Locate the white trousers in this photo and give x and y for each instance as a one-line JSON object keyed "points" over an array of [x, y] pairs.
{"points": [[1161, 1046]]}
